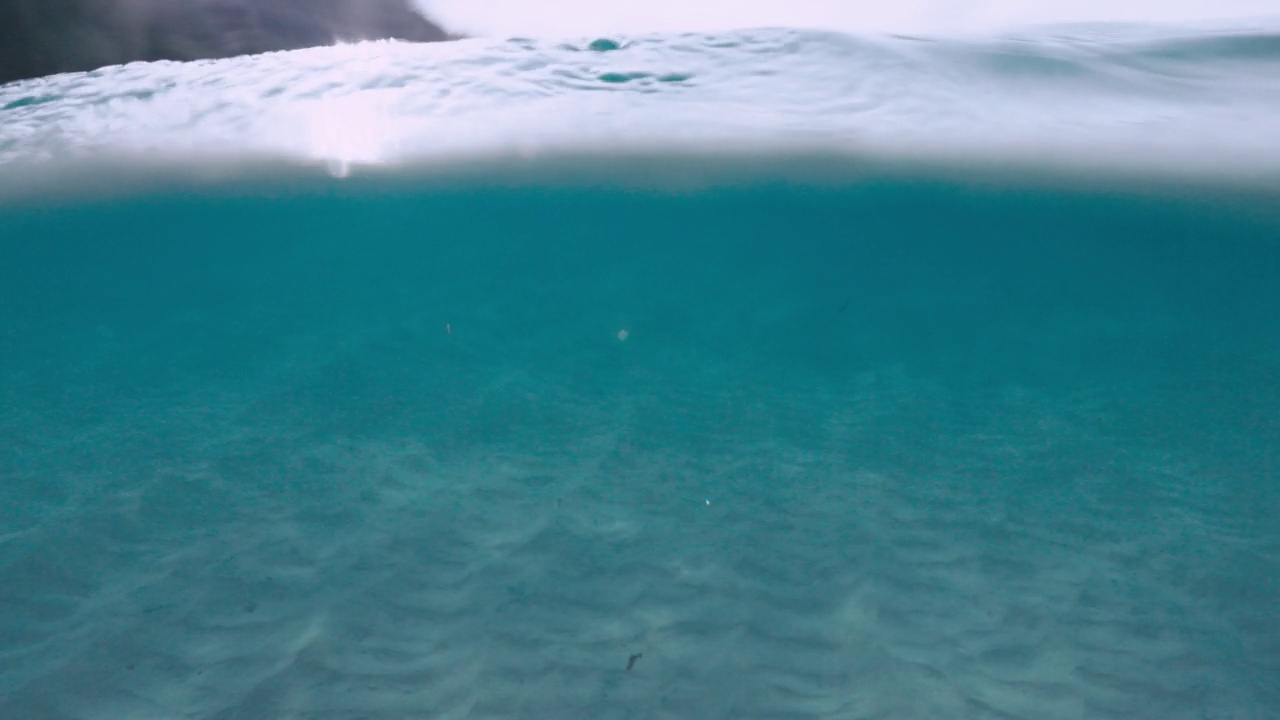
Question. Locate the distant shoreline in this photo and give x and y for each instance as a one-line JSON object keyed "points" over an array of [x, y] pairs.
{"points": [[46, 37]]}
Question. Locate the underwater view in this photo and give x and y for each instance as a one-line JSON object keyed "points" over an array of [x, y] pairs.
{"points": [[759, 374]]}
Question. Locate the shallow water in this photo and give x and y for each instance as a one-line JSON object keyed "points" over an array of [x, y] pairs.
{"points": [[812, 436]]}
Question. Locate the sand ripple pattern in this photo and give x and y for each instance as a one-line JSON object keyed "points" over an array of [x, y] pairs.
{"points": [[865, 566]]}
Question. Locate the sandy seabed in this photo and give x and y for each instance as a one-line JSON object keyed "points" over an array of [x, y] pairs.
{"points": [[335, 540]]}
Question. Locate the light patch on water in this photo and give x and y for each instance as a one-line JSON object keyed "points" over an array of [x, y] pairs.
{"points": [[348, 130], [360, 127]]}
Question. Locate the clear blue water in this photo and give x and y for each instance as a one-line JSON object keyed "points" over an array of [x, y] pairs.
{"points": [[343, 430]]}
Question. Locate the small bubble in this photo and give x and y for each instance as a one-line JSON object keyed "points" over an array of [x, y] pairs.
{"points": [[623, 335]]}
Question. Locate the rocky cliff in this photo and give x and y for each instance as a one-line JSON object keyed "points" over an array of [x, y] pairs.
{"points": [[42, 37]]}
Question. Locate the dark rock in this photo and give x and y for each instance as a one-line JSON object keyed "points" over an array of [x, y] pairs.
{"points": [[42, 37]]}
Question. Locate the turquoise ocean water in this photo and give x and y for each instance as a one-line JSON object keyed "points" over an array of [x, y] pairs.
{"points": [[773, 374]]}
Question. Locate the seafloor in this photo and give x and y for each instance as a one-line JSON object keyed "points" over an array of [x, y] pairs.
{"points": [[903, 449]]}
